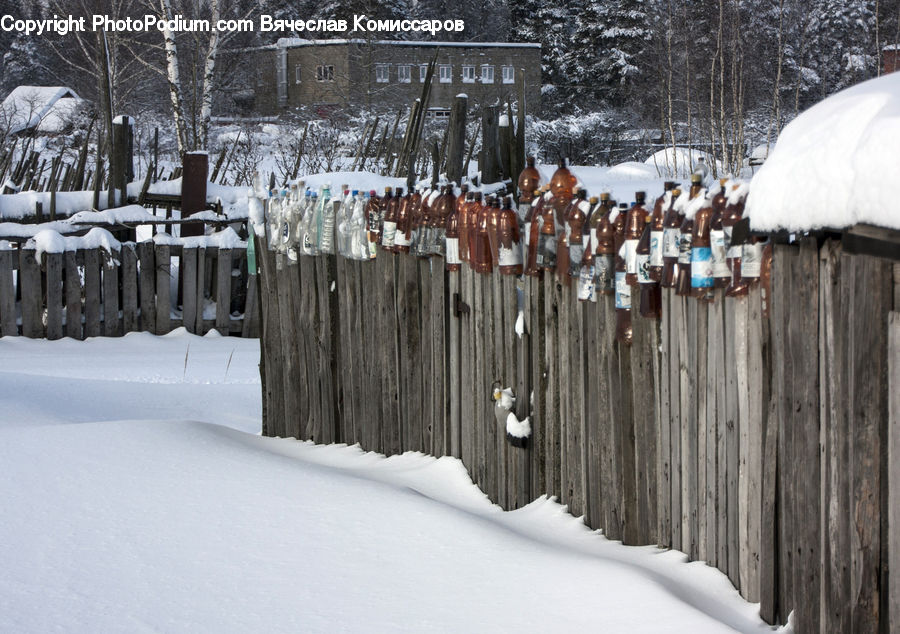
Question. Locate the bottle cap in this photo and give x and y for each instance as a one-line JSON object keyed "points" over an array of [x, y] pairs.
{"points": [[696, 178], [604, 196]]}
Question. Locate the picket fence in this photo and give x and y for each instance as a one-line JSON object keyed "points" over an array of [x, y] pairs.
{"points": [[146, 286], [755, 440]]}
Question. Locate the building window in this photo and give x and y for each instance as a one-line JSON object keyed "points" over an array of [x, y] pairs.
{"points": [[297, 74], [437, 113], [324, 73], [445, 73], [468, 74], [423, 72], [487, 74], [509, 75], [382, 73], [403, 74]]}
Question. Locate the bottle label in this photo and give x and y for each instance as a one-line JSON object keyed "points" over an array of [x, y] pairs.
{"points": [[453, 251], [701, 267], [400, 239], [603, 271], [671, 239], [373, 223], [586, 284], [684, 248], [643, 269], [623, 292], [390, 233], [576, 253], [510, 257], [656, 250], [631, 256], [546, 253], [373, 250], [717, 244], [751, 259], [523, 211], [733, 251]]}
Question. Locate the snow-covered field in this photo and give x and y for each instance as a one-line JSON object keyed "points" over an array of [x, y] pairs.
{"points": [[137, 495]]}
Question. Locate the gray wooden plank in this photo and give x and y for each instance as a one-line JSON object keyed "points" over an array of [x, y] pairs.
{"points": [[537, 394], [663, 434], [250, 323], [439, 336], [893, 482], [500, 371], [8, 327], [189, 289], [713, 371], [717, 353], [110, 270], [54, 295], [129, 288], [287, 326], [732, 448], [223, 290], [31, 294], [204, 290], [163, 289], [673, 306], [756, 439], [699, 340], [92, 260], [73, 297], [454, 323], [147, 272]]}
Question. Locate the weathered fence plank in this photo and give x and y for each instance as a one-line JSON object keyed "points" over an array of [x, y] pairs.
{"points": [[893, 482], [147, 260], [54, 295], [73, 296], [129, 288], [189, 289], [223, 291], [110, 295], [92, 264], [163, 289]]}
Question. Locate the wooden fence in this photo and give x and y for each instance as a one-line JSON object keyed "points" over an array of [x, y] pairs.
{"points": [[146, 286], [755, 440]]}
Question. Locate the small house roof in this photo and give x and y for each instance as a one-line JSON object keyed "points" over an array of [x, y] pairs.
{"points": [[46, 108]]}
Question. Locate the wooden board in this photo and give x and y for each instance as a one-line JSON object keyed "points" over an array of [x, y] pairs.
{"points": [[31, 294], [129, 288], [73, 297], [203, 290], [223, 291], [454, 323], [8, 325], [163, 289], [110, 270], [189, 289], [893, 483], [147, 259], [54, 301], [92, 263]]}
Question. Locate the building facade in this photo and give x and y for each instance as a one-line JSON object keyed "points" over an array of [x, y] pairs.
{"points": [[382, 74]]}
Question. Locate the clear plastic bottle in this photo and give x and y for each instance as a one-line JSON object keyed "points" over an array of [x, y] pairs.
{"points": [[310, 241], [359, 237], [326, 219]]}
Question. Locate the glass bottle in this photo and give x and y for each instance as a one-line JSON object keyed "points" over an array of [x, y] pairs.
{"points": [[508, 238]]}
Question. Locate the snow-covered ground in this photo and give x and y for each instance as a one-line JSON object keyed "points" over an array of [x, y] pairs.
{"points": [[137, 495]]}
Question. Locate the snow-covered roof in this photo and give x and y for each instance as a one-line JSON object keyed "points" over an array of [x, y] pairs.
{"points": [[291, 42], [835, 165], [47, 108]]}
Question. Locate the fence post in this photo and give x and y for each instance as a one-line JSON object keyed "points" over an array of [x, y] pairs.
{"points": [[193, 190]]}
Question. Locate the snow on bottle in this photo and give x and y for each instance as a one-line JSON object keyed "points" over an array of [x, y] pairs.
{"points": [[683, 278], [720, 271], [734, 212], [508, 238], [273, 218]]}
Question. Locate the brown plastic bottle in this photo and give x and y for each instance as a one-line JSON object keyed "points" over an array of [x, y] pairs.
{"points": [[508, 238], [419, 214], [389, 226], [562, 184], [651, 293], [586, 286], [452, 261], [576, 222], [462, 210], [604, 264], [533, 232], [624, 333], [483, 258], [563, 261], [494, 231], [701, 253], [634, 226], [671, 242], [373, 222], [686, 232], [529, 181], [473, 212], [656, 232], [721, 272], [734, 211], [402, 237], [546, 251]]}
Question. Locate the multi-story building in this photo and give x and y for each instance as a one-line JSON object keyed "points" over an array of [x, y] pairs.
{"points": [[384, 74]]}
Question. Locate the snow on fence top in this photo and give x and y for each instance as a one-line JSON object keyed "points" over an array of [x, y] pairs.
{"points": [[49, 241], [835, 165]]}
